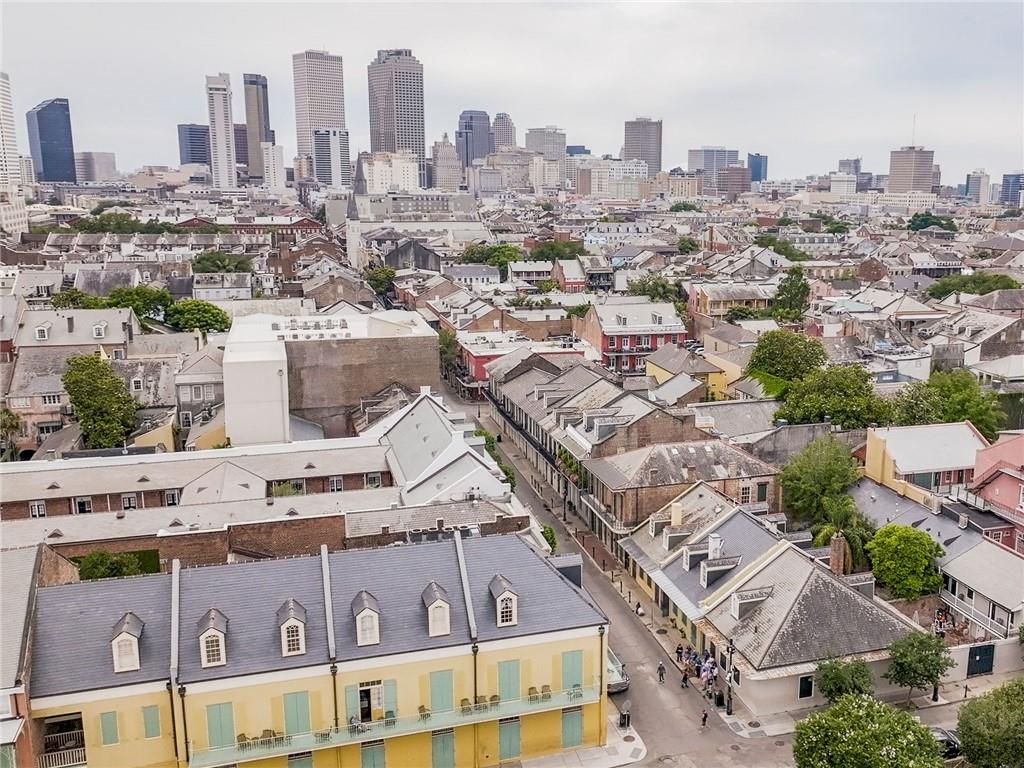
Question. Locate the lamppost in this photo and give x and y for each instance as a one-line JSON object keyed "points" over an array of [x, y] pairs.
{"points": [[728, 697]]}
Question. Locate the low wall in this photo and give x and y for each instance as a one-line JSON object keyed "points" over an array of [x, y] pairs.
{"points": [[1009, 657]]}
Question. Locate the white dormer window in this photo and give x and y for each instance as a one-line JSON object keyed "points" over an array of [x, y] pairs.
{"points": [[126, 653], [136, 385], [507, 611], [369, 629], [506, 602], [212, 647], [293, 638], [440, 621], [99, 330], [42, 333]]}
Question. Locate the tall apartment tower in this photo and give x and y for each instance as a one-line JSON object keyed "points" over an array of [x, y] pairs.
{"points": [[504, 131], [911, 169], [273, 166], [474, 138], [257, 122], [193, 143], [642, 141], [550, 142], [50, 141], [447, 165], [758, 165], [319, 79], [10, 165], [978, 186], [1010, 189], [850, 165], [222, 131], [331, 158], [95, 166], [711, 160], [395, 81]]}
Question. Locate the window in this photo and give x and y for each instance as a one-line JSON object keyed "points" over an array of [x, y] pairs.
{"points": [[136, 385], [335, 484], [806, 687], [108, 728], [611, 342], [197, 392], [37, 508], [171, 498], [371, 480], [762, 491], [506, 611], [208, 392], [299, 486], [51, 399], [151, 722], [745, 494], [439, 619], [119, 354], [185, 394], [129, 501], [126, 653], [185, 417], [369, 629], [83, 505], [1020, 502], [42, 333], [293, 638], [99, 331], [644, 341], [213, 649]]}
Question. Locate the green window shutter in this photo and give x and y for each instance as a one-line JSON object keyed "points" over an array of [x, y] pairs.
{"points": [[508, 739], [108, 727], [508, 680], [220, 725], [351, 702], [151, 722], [390, 698], [296, 712], [442, 746], [442, 693], [572, 669], [372, 756], [572, 727]]}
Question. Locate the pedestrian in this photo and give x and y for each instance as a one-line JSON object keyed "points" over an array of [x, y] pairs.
{"points": [[703, 719], [639, 610], [679, 653], [686, 679], [661, 672]]}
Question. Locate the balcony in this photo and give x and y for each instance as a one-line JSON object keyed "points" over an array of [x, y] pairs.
{"points": [[329, 738], [62, 750], [974, 615], [1010, 514]]}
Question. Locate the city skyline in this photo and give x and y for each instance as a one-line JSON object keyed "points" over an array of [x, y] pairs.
{"points": [[802, 127]]}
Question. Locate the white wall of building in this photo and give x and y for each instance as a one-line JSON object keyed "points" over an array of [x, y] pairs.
{"points": [[273, 167], [222, 131], [255, 390]]}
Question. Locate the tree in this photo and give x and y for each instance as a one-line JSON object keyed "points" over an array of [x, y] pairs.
{"points": [[915, 404], [787, 355], [903, 558], [839, 514], [549, 536], [862, 732], [842, 394], [687, 245], [785, 221], [823, 469], [682, 206], [555, 250], [837, 228], [219, 261], [10, 425], [927, 219], [979, 283], [103, 406], [491, 446], [655, 287], [147, 303], [992, 727], [741, 313], [381, 279], [781, 247], [494, 255], [546, 206], [321, 214], [918, 660], [946, 398], [793, 291], [580, 310], [448, 347], [283, 488], [193, 314], [836, 678], [72, 298], [108, 565], [547, 286]]}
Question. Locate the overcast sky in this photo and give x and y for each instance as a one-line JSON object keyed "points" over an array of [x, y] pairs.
{"points": [[805, 84]]}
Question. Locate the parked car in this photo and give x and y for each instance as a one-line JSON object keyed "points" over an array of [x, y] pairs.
{"points": [[618, 680], [949, 741]]}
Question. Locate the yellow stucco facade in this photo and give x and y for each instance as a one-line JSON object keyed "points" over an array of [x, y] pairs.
{"points": [[660, 374], [880, 467]]}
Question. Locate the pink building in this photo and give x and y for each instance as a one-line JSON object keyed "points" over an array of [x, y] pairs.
{"points": [[999, 486]]}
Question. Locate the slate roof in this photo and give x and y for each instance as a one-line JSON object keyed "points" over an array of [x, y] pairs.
{"points": [[1005, 299], [17, 574], [675, 358], [676, 463], [129, 623]]}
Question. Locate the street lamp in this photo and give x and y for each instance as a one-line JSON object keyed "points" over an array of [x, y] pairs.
{"points": [[728, 698]]}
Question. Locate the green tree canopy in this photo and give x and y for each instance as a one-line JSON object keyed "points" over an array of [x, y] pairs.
{"points": [[10, 425], [839, 514], [107, 565], [822, 470], [547, 286], [104, 204], [381, 279], [862, 732], [947, 398], [655, 287], [787, 355], [192, 314], [741, 313], [121, 224], [781, 247], [992, 727], [546, 206], [903, 558], [147, 303], [219, 261], [837, 228], [687, 245], [448, 347], [499, 256], [836, 678], [103, 406], [979, 283], [928, 219], [793, 292], [580, 310], [918, 660], [72, 298], [555, 250], [683, 206], [841, 393], [785, 221]]}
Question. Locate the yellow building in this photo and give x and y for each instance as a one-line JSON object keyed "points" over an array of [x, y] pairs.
{"points": [[463, 652]]}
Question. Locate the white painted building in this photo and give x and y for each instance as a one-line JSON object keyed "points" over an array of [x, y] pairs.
{"points": [[13, 213], [978, 186], [390, 172], [842, 183], [273, 167], [222, 131]]}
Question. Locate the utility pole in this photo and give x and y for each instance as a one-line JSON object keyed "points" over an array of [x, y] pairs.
{"points": [[728, 698]]}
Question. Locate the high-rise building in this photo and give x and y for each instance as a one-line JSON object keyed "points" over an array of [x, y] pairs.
{"points": [[576, 149], [241, 144], [842, 183], [851, 165], [50, 140], [642, 141], [710, 160], [257, 122], [1010, 189], [389, 172], [732, 181], [193, 143], [319, 79], [13, 212], [272, 162], [222, 131], [27, 168], [95, 166], [331, 159], [395, 81], [474, 138], [550, 142], [911, 169], [936, 178], [504, 131], [758, 165], [978, 186], [447, 165]]}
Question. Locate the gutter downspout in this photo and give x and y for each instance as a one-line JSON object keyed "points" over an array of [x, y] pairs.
{"points": [[172, 672], [471, 617], [325, 575]]}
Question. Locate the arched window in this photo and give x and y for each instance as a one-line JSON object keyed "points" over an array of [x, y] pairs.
{"points": [[292, 639], [213, 650], [506, 611]]}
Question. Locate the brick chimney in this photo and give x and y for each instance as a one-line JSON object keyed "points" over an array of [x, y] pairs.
{"points": [[838, 550]]}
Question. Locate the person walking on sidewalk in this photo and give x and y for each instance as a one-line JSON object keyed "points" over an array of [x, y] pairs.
{"points": [[679, 653], [703, 719], [661, 672], [686, 679]]}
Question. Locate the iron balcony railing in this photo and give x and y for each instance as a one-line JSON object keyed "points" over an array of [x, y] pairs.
{"points": [[484, 709], [1011, 514], [968, 610]]}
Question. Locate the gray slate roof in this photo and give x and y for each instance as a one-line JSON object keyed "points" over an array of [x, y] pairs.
{"points": [[17, 570]]}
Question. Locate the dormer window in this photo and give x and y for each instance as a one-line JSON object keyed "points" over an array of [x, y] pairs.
{"points": [[124, 644], [291, 618], [366, 612], [42, 332], [99, 330], [213, 627], [506, 601], [435, 599]]}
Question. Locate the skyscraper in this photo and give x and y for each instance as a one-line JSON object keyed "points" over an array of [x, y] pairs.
{"points": [[222, 131], [272, 161], [850, 165], [642, 141], [504, 131], [911, 169], [758, 165], [95, 166], [193, 143], [257, 122], [733, 181], [331, 159], [447, 165], [577, 149], [10, 166], [550, 142], [241, 145], [395, 81], [50, 140], [977, 186], [474, 138], [1010, 189], [710, 160], [319, 79]]}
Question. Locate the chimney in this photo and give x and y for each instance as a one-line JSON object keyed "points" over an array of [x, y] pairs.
{"points": [[653, 474], [440, 523], [715, 546], [51, 454], [677, 513], [963, 521], [838, 549], [71, 324]]}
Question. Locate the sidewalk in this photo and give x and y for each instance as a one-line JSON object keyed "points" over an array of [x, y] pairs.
{"points": [[954, 693], [624, 746]]}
